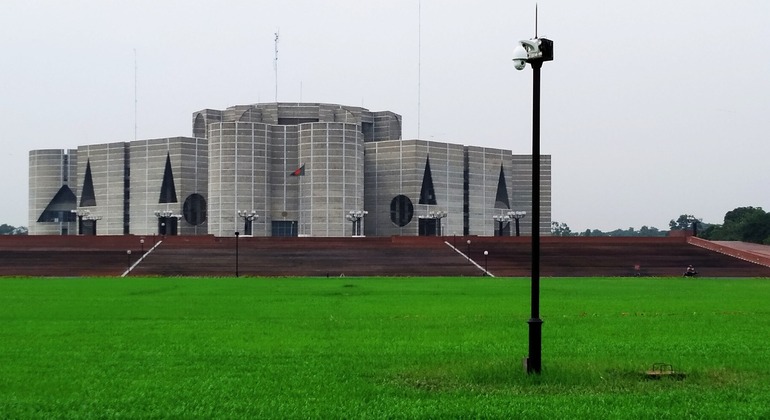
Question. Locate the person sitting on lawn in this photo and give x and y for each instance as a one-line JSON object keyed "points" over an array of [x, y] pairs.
{"points": [[690, 271]]}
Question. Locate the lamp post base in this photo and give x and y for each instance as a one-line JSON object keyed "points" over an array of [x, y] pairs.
{"points": [[533, 363]]}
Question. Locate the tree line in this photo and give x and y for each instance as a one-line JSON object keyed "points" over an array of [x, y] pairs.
{"points": [[12, 230], [747, 224], [562, 229]]}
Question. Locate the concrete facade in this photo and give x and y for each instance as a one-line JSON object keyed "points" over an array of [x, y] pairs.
{"points": [[187, 159], [303, 168], [465, 182], [49, 211], [267, 143]]}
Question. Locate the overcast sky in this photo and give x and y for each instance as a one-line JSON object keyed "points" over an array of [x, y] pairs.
{"points": [[650, 109]]}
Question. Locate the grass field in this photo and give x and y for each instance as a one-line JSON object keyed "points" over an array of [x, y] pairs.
{"points": [[381, 347]]}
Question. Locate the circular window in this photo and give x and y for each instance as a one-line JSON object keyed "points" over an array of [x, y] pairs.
{"points": [[401, 210], [194, 209]]}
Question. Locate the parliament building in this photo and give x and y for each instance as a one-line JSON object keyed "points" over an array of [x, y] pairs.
{"points": [[284, 169]]}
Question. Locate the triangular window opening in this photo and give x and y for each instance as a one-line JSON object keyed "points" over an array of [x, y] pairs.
{"points": [[427, 193], [88, 198], [59, 209], [167, 188], [501, 198]]}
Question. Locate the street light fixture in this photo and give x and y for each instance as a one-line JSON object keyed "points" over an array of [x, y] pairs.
{"points": [[84, 215], [486, 256], [248, 220], [534, 51], [128, 259], [167, 222], [468, 242], [355, 217], [436, 217], [501, 220], [516, 216], [141, 243]]}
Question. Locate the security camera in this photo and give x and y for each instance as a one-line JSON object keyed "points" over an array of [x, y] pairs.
{"points": [[529, 50], [532, 46], [519, 57]]}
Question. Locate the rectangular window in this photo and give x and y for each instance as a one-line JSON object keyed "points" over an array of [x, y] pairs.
{"points": [[284, 228]]}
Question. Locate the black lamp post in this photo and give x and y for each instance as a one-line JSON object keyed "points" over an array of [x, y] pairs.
{"points": [[355, 216], [535, 51], [167, 222], [468, 242], [501, 220], [236, 252], [486, 255], [517, 215], [141, 243], [248, 221], [128, 259]]}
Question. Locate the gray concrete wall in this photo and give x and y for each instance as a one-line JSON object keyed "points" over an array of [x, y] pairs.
{"points": [[189, 164], [239, 164], [284, 188], [333, 154], [107, 171], [522, 185], [241, 159], [396, 168], [49, 169]]}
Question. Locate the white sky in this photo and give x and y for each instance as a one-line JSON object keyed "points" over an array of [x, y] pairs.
{"points": [[650, 109]]}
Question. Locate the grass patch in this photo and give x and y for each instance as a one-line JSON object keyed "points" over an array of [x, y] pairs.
{"points": [[380, 347]]}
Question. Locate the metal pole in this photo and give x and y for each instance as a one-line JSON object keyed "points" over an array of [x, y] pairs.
{"points": [[236, 253], [534, 361]]}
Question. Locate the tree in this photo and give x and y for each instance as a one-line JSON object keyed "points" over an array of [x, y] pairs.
{"points": [[756, 228], [748, 224], [683, 222], [6, 229], [740, 214], [560, 229]]}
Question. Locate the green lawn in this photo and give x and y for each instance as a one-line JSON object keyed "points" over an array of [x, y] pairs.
{"points": [[381, 347]]}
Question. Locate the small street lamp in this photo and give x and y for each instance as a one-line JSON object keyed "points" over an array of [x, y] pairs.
{"points": [[355, 216], [501, 220], [535, 51], [141, 243], [437, 216], [516, 216], [486, 255], [468, 242], [248, 220], [128, 259], [167, 222], [84, 215]]}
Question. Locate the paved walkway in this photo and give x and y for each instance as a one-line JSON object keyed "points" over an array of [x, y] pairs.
{"points": [[762, 250]]}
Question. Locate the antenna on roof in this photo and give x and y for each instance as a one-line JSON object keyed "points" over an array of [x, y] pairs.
{"points": [[535, 20], [135, 100], [419, 59], [275, 66]]}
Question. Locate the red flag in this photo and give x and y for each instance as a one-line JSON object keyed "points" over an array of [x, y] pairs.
{"points": [[300, 171]]}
